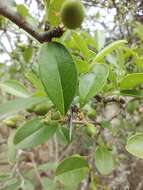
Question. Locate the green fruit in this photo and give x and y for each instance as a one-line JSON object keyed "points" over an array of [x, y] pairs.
{"points": [[91, 114], [11, 122], [72, 13], [31, 109], [41, 109], [55, 115], [90, 130]]}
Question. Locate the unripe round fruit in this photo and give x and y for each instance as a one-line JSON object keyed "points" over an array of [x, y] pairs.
{"points": [[11, 122], [91, 130], [31, 109], [55, 115], [41, 109], [72, 13], [91, 114]]}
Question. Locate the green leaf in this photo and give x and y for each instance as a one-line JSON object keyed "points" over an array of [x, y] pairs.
{"points": [[72, 171], [82, 66], [100, 39], [131, 81], [27, 54], [15, 88], [133, 93], [58, 74], [11, 152], [14, 106], [135, 145], [63, 135], [81, 44], [92, 83], [48, 184], [111, 47], [35, 81], [22, 10], [33, 133], [104, 160], [53, 12]]}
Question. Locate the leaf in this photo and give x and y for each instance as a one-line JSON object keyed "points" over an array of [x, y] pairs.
{"points": [[72, 171], [104, 160], [15, 88], [27, 54], [22, 10], [33, 133], [81, 44], [48, 184], [63, 135], [14, 106], [100, 39], [131, 81], [111, 47], [11, 152], [53, 12], [82, 66], [35, 81], [92, 83], [135, 145], [58, 74], [133, 93]]}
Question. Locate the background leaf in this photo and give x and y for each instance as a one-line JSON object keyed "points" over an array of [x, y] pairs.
{"points": [[92, 83], [14, 106], [104, 160], [131, 81], [15, 88], [135, 145]]}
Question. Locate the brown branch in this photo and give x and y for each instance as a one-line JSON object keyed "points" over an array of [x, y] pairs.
{"points": [[13, 16]]}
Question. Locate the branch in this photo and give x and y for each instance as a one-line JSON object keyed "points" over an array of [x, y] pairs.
{"points": [[13, 16]]}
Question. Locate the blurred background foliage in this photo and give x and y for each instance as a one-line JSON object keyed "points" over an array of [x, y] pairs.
{"points": [[105, 22]]}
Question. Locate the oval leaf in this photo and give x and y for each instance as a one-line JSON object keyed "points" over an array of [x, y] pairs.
{"points": [[131, 81], [135, 145], [92, 83], [72, 171], [104, 160], [33, 133], [58, 74]]}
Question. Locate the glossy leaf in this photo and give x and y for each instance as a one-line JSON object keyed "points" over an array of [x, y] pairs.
{"points": [[72, 171], [104, 160], [33, 133], [135, 145], [131, 81], [14, 106], [15, 88], [92, 83], [58, 74]]}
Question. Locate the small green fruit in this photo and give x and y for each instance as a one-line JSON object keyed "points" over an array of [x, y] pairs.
{"points": [[31, 109], [10, 122], [72, 13], [91, 114], [41, 109], [90, 130], [55, 115]]}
